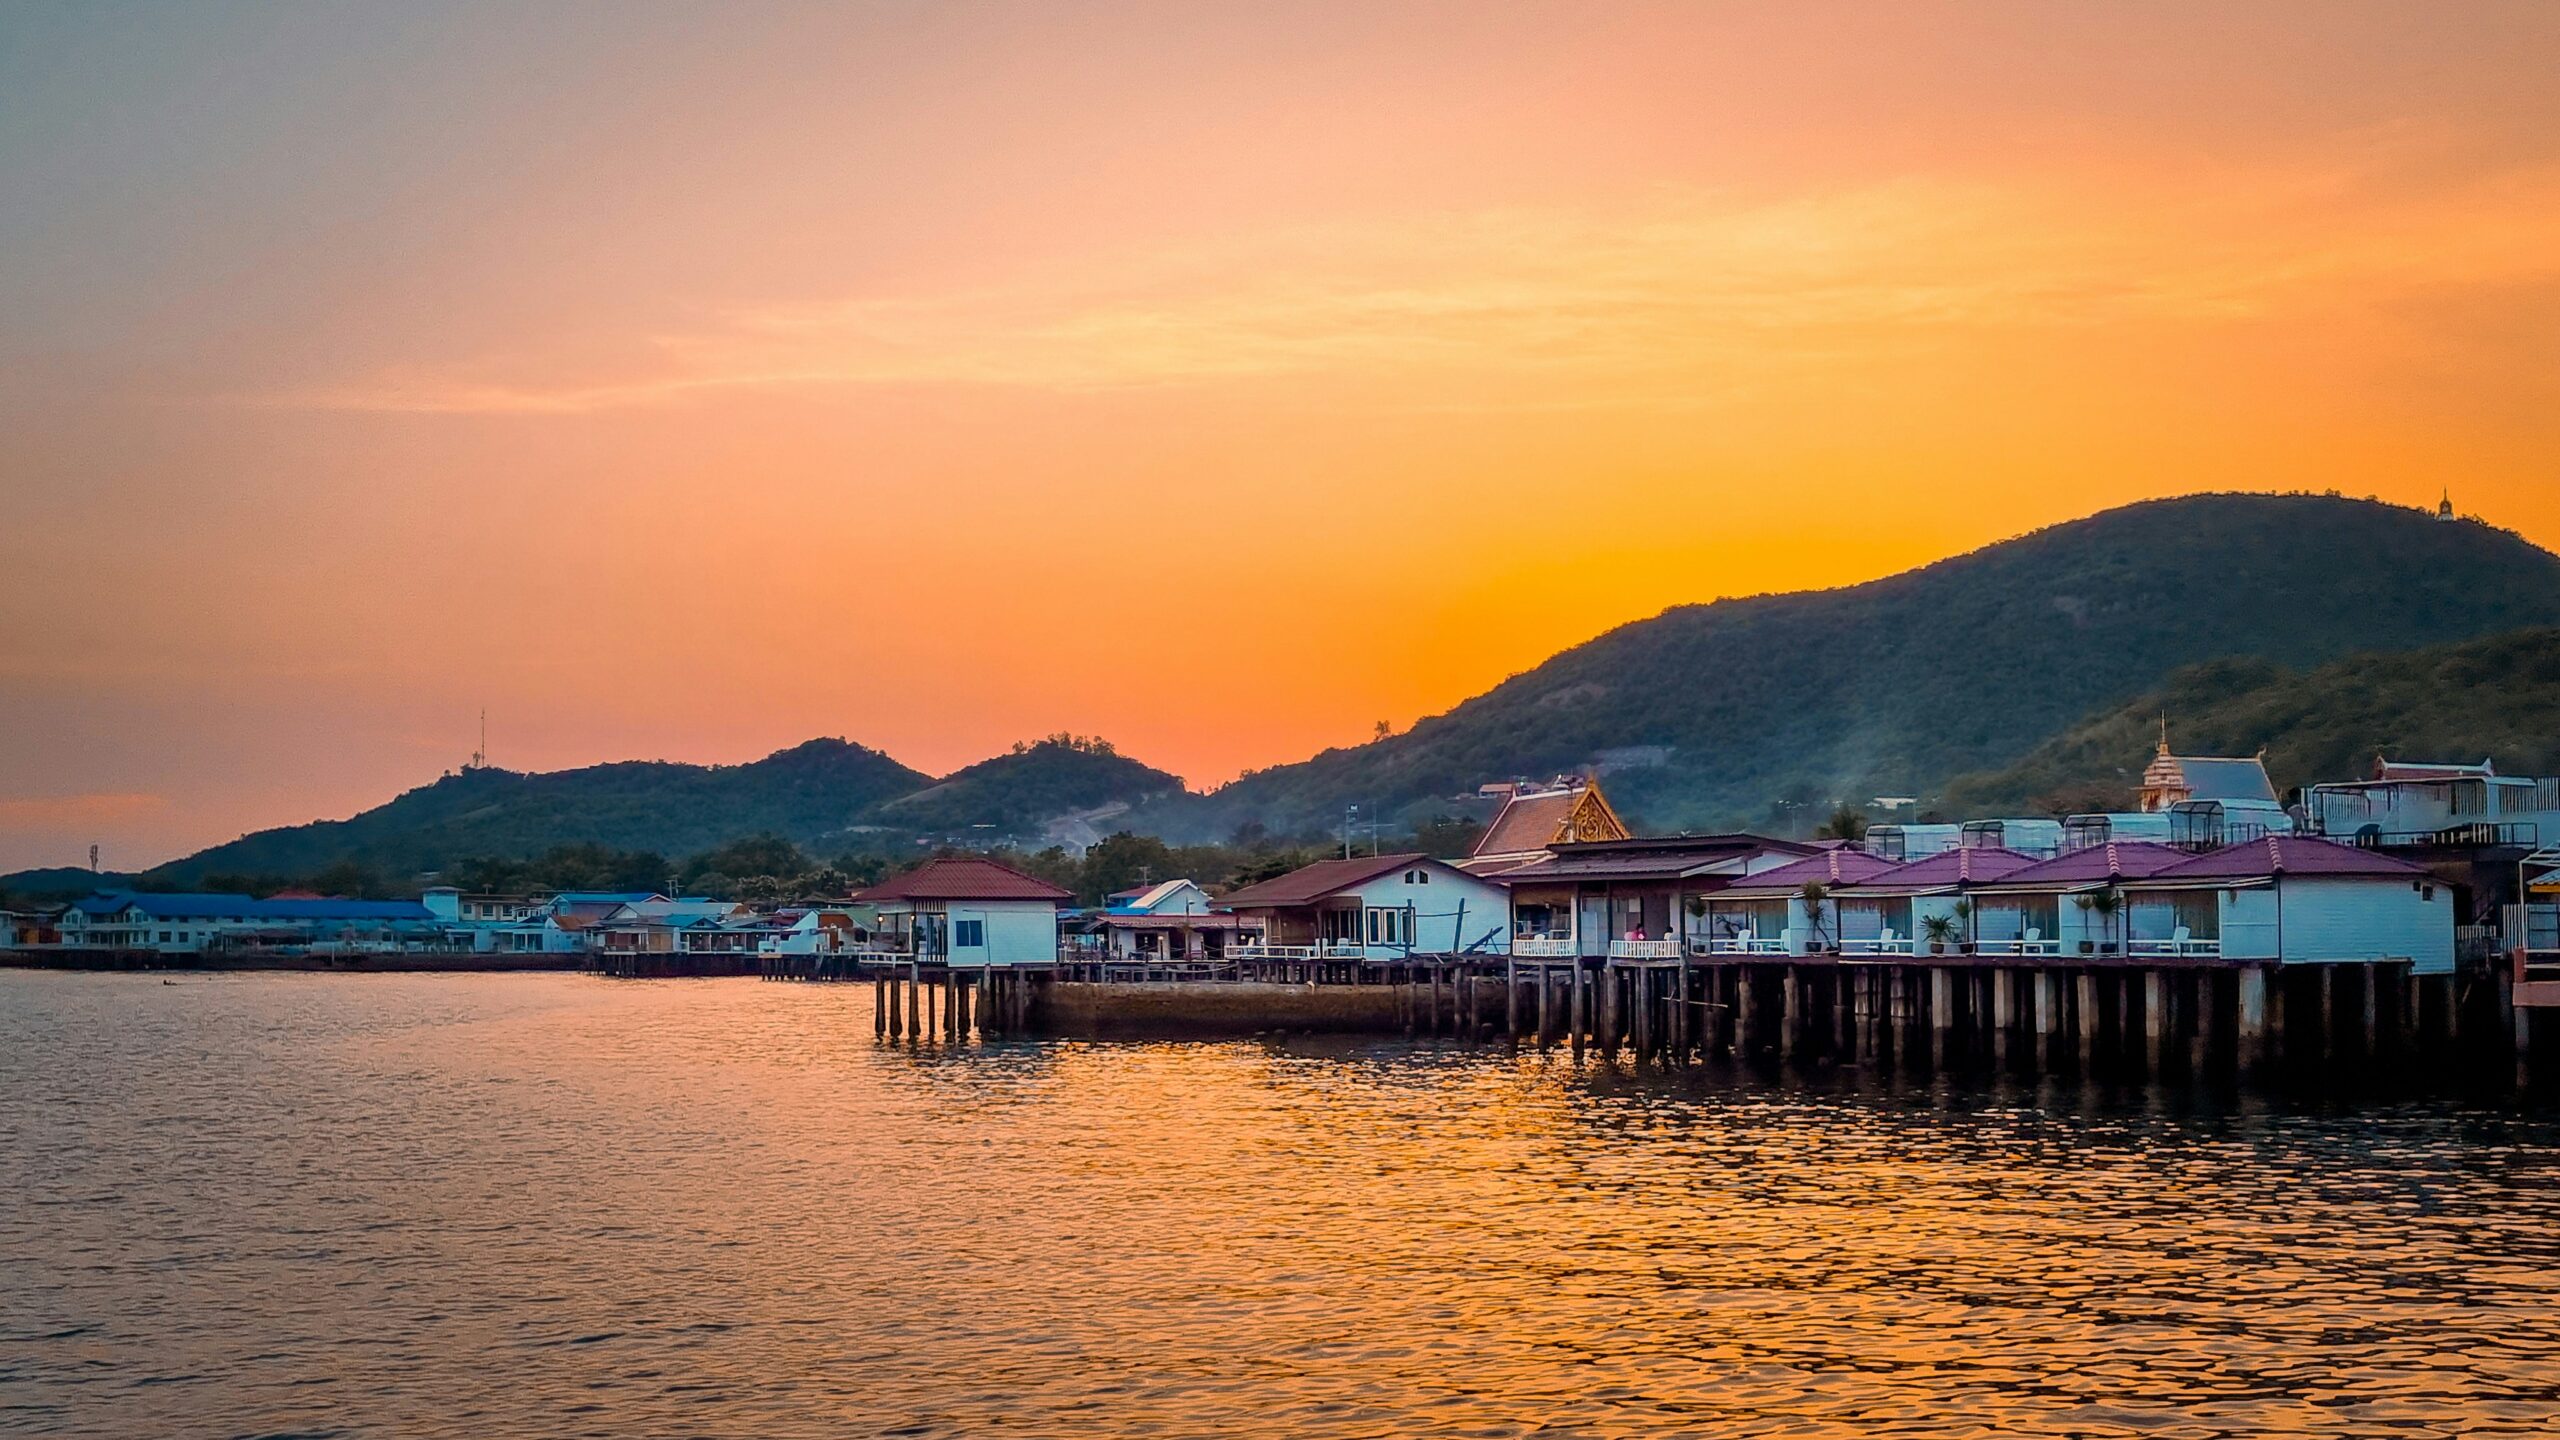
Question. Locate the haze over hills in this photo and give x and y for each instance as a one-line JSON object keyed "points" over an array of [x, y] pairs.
{"points": [[2064, 639], [1895, 686], [2498, 698]]}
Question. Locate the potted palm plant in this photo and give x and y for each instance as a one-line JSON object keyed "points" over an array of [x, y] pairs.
{"points": [[1816, 895], [1963, 913], [1940, 929], [2107, 905], [2087, 904]]}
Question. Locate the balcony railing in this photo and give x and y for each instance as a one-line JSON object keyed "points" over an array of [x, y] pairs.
{"points": [[2175, 948], [1644, 949], [1880, 945], [1740, 945], [2024, 948], [1529, 947]]}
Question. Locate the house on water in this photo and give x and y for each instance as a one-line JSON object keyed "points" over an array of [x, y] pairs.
{"points": [[1786, 910], [1170, 922], [1630, 898], [1375, 908], [2038, 911], [967, 911], [1905, 910], [2293, 900]]}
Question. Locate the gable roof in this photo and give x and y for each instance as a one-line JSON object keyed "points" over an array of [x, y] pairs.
{"points": [[1528, 823], [2095, 865], [2289, 855], [1842, 866], [963, 877], [1948, 869], [1310, 883], [1664, 857]]}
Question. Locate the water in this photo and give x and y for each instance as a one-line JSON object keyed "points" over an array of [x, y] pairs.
{"points": [[550, 1205]]}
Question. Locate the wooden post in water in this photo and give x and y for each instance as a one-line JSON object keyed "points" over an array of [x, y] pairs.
{"points": [[1942, 1014], [1790, 1010], [2155, 1034], [2087, 999], [1746, 1013], [2048, 1016], [1578, 1004], [2372, 1011], [1511, 999], [879, 1008], [2209, 1021], [2328, 1014], [2004, 1013], [1682, 1020], [2250, 1033]]}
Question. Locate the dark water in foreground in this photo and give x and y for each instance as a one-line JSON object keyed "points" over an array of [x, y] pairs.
{"points": [[550, 1205]]}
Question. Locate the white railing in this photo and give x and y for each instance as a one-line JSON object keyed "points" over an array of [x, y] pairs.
{"points": [[1275, 952], [1878, 946], [2176, 948], [1542, 948], [1345, 950], [1739, 945], [2018, 947], [1644, 949]]}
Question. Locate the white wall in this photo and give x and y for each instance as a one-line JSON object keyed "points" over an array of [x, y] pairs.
{"points": [[1436, 919], [2334, 920], [1019, 932]]}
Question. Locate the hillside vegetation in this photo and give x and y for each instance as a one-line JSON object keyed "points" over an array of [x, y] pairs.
{"points": [[810, 793], [2487, 699], [1061, 775], [1891, 687]]}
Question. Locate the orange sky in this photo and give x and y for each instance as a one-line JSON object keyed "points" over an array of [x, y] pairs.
{"points": [[683, 383]]}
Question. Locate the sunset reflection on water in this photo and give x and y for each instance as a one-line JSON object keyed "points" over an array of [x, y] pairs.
{"points": [[386, 1205]]}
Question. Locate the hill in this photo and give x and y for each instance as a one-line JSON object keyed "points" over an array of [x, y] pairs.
{"points": [[1019, 792], [808, 794], [1964, 665], [2497, 698]]}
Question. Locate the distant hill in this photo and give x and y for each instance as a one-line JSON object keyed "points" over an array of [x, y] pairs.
{"points": [[1893, 686], [2486, 699], [809, 793], [1033, 784]]}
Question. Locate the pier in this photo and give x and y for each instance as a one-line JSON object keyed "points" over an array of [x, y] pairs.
{"points": [[1956, 1015]]}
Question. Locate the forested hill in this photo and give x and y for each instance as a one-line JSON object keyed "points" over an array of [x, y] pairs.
{"points": [[1060, 776], [2487, 699], [1894, 686], [808, 794]]}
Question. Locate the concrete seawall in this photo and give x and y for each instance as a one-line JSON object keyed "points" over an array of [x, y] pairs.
{"points": [[1086, 1010]]}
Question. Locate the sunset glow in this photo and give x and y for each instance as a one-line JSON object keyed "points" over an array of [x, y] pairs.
{"points": [[685, 382]]}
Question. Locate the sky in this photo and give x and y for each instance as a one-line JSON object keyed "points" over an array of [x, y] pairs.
{"points": [[685, 381]]}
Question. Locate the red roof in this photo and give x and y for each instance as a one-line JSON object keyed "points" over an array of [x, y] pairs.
{"points": [[1310, 883], [2289, 855], [1528, 822], [1965, 865], [2098, 864], [1831, 867], [963, 877]]}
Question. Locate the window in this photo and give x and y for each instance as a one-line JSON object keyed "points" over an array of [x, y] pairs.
{"points": [[968, 934], [1387, 927]]}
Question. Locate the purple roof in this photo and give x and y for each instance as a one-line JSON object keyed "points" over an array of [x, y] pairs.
{"points": [[1970, 865], [2115, 860], [1831, 867], [2288, 855]]}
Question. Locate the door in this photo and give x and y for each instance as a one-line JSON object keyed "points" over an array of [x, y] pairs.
{"points": [[1591, 924]]}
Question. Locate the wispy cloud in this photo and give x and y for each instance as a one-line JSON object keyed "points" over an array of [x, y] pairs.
{"points": [[1684, 284]]}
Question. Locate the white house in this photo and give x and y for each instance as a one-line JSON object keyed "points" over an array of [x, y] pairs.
{"points": [[967, 911], [2294, 900], [1378, 907]]}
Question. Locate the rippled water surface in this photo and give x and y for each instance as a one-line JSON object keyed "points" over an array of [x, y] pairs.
{"points": [[553, 1205]]}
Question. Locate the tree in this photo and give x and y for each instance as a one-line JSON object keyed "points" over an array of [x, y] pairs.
{"points": [[1121, 862], [348, 878], [1846, 823], [755, 855], [1447, 837], [826, 882]]}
